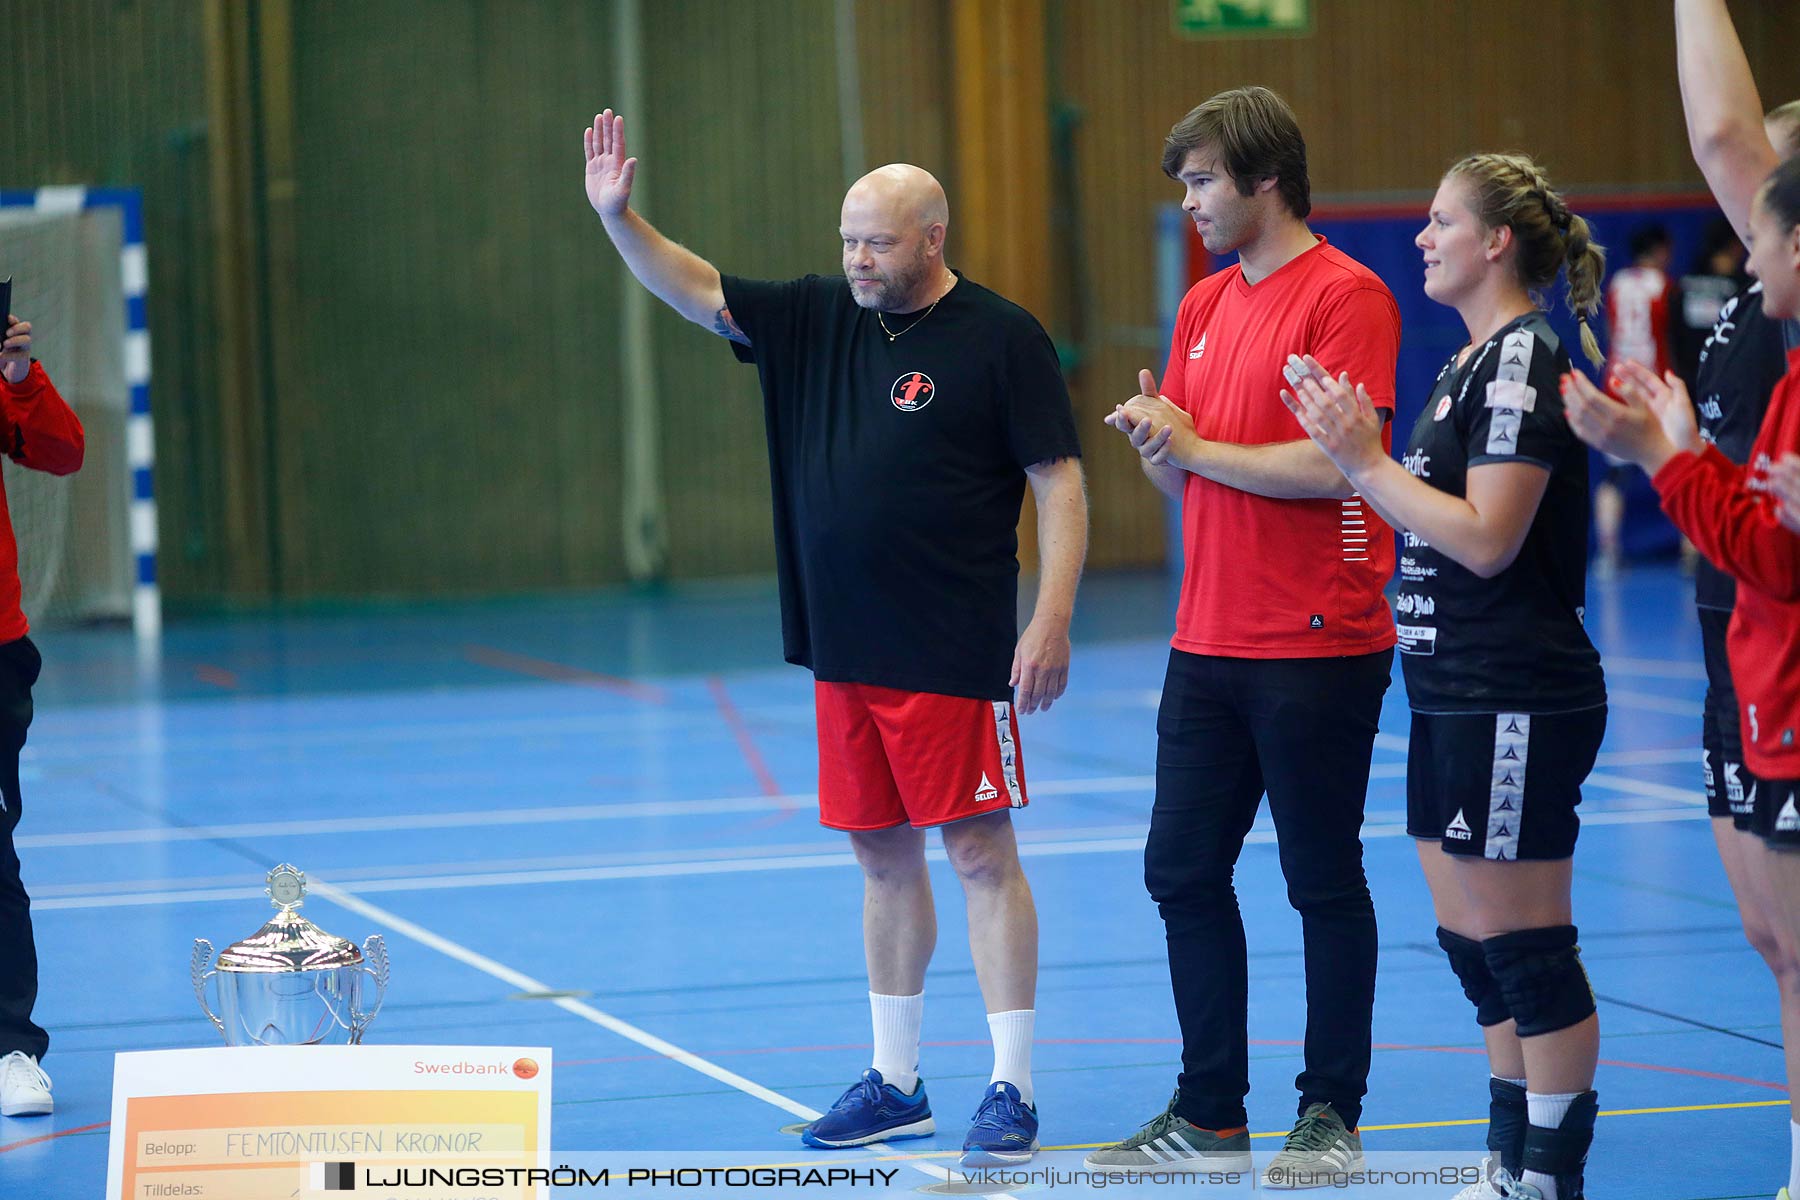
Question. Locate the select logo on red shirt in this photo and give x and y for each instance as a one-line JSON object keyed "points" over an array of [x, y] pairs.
{"points": [[912, 391]]}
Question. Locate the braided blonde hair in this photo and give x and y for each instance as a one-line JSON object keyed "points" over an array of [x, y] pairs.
{"points": [[1512, 190]]}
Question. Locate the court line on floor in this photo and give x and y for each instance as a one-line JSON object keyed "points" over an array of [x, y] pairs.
{"points": [[1656, 668], [632, 810], [1394, 1047], [1616, 1112], [1649, 702], [51, 1137], [587, 1012], [786, 862], [555, 672], [740, 732]]}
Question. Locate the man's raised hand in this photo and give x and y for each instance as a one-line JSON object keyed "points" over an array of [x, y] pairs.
{"points": [[609, 172]]}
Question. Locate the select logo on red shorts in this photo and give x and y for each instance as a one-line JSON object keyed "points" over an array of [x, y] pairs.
{"points": [[912, 391]]}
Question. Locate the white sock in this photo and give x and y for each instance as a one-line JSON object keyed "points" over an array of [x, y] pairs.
{"points": [[1546, 1112], [1794, 1161], [1518, 1083], [1012, 1033], [897, 1020]]}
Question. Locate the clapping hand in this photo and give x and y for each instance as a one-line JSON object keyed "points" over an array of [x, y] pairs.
{"points": [[1784, 485], [1648, 423], [1156, 426], [1340, 417]]}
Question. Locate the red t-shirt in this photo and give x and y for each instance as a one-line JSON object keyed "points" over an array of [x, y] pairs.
{"points": [[1280, 578], [38, 430], [1728, 513]]}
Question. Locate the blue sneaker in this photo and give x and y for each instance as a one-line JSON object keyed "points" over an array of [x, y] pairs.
{"points": [[1004, 1130], [872, 1111]]}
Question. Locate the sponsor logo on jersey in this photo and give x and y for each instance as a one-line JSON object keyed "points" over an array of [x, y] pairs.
{"points": [[987, 791], [1416, 639], [1199, 348], [1458, 828], [1788, 820], [912, 391], [1411, 604]]}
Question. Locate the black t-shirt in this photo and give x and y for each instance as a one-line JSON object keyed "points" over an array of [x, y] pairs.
{"points": [[897, 467], [1513, 643], [1739, 366]]}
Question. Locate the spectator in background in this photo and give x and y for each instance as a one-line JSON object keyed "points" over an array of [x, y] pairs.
{"points": [[1637, 330], [1716, 276]]}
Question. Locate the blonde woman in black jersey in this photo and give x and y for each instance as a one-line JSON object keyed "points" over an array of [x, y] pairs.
{"points": [[1508, 700]]}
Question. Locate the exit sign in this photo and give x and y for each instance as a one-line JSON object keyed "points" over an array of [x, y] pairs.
{"points": [[1242, 18]]}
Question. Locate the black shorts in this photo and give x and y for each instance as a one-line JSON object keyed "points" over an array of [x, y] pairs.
{"points": [[1776, 818], [1730, 788], [1500, 785]]}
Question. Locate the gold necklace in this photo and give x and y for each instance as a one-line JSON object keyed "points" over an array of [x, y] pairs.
{"points": [[891, 335]]}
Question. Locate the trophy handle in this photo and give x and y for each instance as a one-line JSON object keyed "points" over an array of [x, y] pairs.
{"points": [[375, 965], [199, 971]]}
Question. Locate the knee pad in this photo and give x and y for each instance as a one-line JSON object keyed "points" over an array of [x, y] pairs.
{"points": [[1540, 977], [1478, 983]]}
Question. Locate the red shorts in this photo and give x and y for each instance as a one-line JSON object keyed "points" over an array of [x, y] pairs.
{"points": [[888, 757]]}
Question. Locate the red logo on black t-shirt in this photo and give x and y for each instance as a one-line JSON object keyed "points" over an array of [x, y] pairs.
{"points": [[912, 391]]}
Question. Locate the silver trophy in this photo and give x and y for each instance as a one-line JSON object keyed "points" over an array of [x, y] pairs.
{"points": [[290, 983]]}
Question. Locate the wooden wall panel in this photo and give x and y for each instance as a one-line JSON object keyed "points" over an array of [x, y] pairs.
{"points": [[110, 94], [742, 163], [453, 424], [445, 415], [907, 86]]}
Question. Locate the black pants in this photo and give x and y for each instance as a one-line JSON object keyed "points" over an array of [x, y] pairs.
{"points": [[19, 665], [1301, 730]]}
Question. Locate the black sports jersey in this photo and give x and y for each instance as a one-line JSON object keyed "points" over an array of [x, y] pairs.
{"points": [[897, 467], [1739, 366], [1513, 643], [1699, 299]]}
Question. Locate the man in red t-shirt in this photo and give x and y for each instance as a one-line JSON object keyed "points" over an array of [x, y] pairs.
{"points": [[37, 430], [1283, 640]]}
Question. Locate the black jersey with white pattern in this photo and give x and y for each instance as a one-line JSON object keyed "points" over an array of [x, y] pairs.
{"points": [[1514, 642], [1740, 364]]}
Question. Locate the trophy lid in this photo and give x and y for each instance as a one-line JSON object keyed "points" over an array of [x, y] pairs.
{"points": [[289, 942]]}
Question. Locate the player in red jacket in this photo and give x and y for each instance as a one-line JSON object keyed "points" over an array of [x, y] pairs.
{"points": [[1734, 515], [37, 430]]}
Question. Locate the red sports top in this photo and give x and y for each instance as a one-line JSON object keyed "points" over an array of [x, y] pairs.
{"points": [[39, 430], [1637, 300], [1280, 578], [1726, 510]]}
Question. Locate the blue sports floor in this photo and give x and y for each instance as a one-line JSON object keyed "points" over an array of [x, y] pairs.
{"points": [[607, 798]]}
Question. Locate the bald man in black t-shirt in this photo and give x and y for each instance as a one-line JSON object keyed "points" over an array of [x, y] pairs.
{"points": [[906, 409]]}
